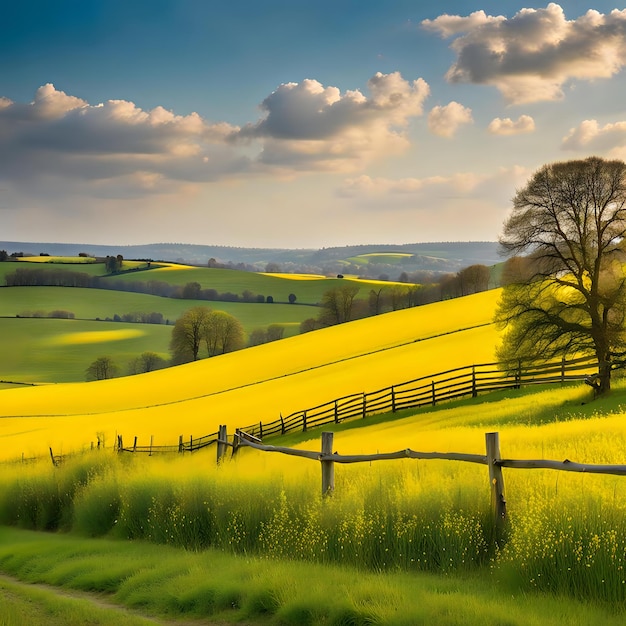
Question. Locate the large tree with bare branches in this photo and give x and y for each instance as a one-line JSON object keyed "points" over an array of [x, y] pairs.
{"points": [[570, 222]]}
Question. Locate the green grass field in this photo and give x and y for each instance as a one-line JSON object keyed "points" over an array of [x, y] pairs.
{"points": [[42, 351]]}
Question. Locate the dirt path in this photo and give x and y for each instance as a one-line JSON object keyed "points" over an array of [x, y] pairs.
{"points": [[103, 601]]}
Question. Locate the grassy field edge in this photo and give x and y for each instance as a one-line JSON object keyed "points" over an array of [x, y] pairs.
{"points": [[176, 584]]}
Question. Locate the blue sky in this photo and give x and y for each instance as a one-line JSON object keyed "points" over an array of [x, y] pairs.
{"points": [[295, 124]]}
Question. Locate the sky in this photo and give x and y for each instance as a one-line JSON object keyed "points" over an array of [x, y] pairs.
{"points": [[295, 124]]}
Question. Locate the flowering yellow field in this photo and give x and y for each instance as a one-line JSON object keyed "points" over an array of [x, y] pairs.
{"points": [[252, 385]]}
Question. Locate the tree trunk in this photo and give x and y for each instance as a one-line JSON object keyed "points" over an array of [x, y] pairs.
{"points": [[604, 374]]}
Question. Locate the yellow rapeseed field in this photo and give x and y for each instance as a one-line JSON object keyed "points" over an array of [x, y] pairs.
{"points": [[252, 385]]}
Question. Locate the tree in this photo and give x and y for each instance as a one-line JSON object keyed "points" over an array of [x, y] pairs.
{"points": [[102, 368], [188, 334], [570, 297], [337, 304], [191, 291], [146, 362], [223, 333]]}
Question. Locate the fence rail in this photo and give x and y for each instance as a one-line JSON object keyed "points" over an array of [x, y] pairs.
{"points": [[452, 384], [429, 391], [492, 458]]}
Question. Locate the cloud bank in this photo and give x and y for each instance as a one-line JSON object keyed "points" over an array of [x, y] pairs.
{"points": [[532, 55], [117, 149]]}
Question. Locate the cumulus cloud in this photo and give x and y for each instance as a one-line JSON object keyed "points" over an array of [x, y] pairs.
{"points": [[446, 120], [609, 139], [62, 136], [506, 126], [530, 56], [309, 126]]}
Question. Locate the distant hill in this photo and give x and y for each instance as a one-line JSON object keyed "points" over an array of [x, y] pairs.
{"points": [[438, 257]]}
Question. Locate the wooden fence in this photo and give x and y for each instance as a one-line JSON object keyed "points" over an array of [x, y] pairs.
{"points": [[492, 458], [429, 390]]}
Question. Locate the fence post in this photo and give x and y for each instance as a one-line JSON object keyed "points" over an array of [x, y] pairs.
{"points": [[222, 437], [474, 392], [496, 481], [260, 430], [393, 399], [518, 374], [135, 444], [562, 371], [52, 457], [328, 467], [364, 405], [303, 421], [336, 413], [432, 385], [190, 443], [282, 425], [151, 438], [181, 448], [120, 443], [236, 441]]}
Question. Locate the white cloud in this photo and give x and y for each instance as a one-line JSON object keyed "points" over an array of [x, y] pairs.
{"points": [[115, 142], [609, 139], [530, 56], [446, 120], [506, 126], [311, 127]]}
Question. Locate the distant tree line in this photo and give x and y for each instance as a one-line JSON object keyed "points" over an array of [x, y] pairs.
{"points": [[57, 314], [340, 304], [34, 277]]}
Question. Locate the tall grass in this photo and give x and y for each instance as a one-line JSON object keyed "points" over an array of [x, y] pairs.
{"points": [[381, 519]]}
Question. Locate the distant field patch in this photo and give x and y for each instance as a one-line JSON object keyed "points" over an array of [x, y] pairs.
{"points": [[389, 258], [295, 276], [96, 336], [57, 259]]}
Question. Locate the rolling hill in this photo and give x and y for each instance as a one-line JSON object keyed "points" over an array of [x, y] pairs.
{"points": [[254, 384]]}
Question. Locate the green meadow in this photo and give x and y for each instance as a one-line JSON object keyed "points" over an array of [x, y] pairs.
{"points": [[53, 350]]}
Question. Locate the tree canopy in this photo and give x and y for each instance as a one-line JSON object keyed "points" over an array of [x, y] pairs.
{"points": [[568, 296]]}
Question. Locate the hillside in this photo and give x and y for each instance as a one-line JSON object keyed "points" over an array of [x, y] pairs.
{"points": [[438, 257], [254, 384]]}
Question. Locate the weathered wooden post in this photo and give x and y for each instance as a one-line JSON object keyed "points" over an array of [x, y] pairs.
{"points": [[222, 438], [432, 386], [120, 443], [563, 370], [135, 444], [190, 443], [474, 392], [260, 430], [236, 441], [303, 421], [151, 438], [336, 413], [364, 405], [52, 457], [181, 447], [496, 481], [393, 399], [282, 425], [328, 467]]}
